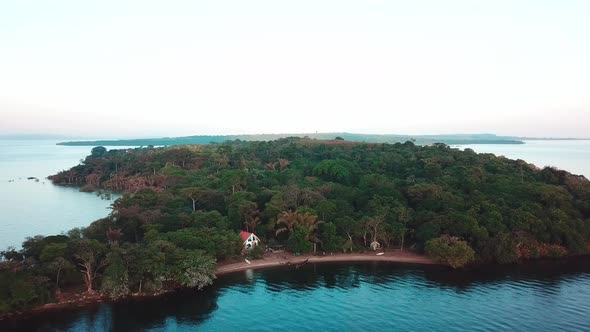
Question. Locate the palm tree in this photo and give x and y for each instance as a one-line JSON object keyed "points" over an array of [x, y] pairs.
{"points": [[283, 163], [311, 225], [289, 220], [271, 166], [305, 221], [252, 220]]}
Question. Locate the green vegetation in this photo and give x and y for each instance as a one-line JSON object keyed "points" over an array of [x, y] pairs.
{"points": [[450, 250], [183, 208]]}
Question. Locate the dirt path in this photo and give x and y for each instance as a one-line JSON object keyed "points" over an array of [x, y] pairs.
{"points": [[287, 259]]}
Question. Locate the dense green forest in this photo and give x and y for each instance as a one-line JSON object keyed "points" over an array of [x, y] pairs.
{"points": [[183, 208], [456, 139]]}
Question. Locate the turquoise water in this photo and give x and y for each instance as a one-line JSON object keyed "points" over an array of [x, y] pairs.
{"points": [[31, 208], [572, 156], [544, 296]]}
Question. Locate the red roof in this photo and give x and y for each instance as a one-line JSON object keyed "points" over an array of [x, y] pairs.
{"points": [[245, 235]]}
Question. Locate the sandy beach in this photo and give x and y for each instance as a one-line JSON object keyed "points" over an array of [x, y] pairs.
{"points": [[288, 259]]}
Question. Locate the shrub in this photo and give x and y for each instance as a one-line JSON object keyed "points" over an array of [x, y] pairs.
{"points": [[256, 253], [450, 250], [298, 243], [505, 252]]}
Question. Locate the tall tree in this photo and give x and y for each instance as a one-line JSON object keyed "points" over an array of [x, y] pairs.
{"points": [[374, 226], [403, 216], [347, 226], [251, 217], [53, 255], [90, 256], [194, 194]]}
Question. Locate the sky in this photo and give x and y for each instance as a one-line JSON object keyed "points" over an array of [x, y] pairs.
{"points": [[172, 68]]}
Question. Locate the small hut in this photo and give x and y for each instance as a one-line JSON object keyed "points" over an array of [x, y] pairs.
{"points": [[250, 240]]}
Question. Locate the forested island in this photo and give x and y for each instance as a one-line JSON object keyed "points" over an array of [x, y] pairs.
{"points": [[183, 208], [456, 139]]}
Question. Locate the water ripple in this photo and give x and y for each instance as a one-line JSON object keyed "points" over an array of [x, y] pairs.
{"points": [[357, 297]]}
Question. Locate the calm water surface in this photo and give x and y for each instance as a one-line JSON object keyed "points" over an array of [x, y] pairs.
{"points": [[30, 208], [547, 296]]}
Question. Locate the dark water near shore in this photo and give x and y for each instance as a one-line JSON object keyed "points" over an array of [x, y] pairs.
{"points": [[542, 296]]}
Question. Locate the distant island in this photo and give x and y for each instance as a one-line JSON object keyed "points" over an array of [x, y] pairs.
{"points": [[456, 139]]}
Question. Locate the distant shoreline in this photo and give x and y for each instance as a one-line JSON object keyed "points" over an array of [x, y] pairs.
{"points": [[456, 139]]}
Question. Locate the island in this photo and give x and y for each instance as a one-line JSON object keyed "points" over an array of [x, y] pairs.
{"points": [[189, 212]]}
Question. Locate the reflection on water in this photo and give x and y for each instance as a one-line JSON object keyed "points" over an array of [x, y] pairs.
{"points": [[544, 296]]}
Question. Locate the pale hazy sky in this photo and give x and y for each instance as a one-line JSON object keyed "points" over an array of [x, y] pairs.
{"points": [[152, 68]]}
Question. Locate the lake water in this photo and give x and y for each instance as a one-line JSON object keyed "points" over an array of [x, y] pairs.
{"points": [[544, 296], [31, 208]]}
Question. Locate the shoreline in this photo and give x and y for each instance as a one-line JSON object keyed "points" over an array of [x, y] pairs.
{"points": [[287, 259], [282, 259], [274, 260]]}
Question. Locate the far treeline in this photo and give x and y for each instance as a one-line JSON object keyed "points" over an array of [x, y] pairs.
{"points": [[183, 207], [456, 139]]}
